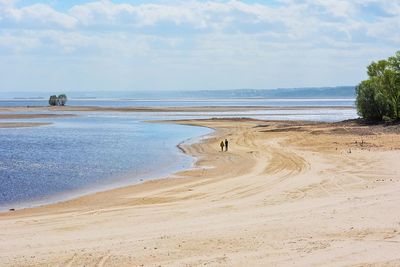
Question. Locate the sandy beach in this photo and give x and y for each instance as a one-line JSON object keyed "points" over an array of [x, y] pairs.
{"points": [[285, 194]]}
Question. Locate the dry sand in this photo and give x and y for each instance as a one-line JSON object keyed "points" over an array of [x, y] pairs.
{"points": [[286, 194]]}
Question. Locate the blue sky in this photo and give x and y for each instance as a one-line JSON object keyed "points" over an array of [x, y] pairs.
{"points": [[188, 45]]}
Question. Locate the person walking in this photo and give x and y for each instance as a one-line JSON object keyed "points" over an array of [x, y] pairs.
{"points": [[222, 145], [226, 144]]}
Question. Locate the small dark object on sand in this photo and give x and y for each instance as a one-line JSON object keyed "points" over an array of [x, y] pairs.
{"points": [[11, 209]]}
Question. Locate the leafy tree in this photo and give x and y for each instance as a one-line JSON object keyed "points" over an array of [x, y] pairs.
{"points": [[367, 105], [378, 98], [62, 99], [53, 101]]}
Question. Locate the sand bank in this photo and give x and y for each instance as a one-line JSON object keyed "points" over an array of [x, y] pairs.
{"points": [[34, 116], [286, 194], [28, 116], [21, 124]]}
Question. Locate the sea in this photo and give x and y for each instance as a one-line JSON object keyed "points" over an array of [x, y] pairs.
{"points": [[96, 151]]}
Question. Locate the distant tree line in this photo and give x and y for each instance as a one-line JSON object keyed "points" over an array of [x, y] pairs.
{"points": [[378, 98], [60, 100]]}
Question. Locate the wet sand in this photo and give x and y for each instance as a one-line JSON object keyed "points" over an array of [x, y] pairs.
{"points": [[28, 116], [286, 194], [33, 116], [21, 124]]}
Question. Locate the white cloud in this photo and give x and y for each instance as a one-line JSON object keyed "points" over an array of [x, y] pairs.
{"points": [[38, 15], [104, 11], [299, 19], [19, 43], [8, 2], [226, 37], [338, 8], [291, 21]]}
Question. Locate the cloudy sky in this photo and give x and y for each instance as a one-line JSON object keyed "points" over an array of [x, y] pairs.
{"points": [[187, 45]]}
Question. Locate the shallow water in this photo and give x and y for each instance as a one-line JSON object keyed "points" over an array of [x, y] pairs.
{"points": [[188, 103], [87, 153]]}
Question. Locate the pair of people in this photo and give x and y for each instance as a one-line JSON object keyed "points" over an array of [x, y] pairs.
{"points": [[224, 144]]}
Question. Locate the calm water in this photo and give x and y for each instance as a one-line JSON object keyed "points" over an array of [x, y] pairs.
{"points": [[96, 151], [84, 154], [190, 103]]}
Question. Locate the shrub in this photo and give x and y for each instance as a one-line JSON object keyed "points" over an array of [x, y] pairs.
{"points": [[62, 99], [53, 101]]}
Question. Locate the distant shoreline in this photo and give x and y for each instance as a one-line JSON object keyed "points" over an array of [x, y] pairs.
{"points": [[199, 99], [164, 109]]}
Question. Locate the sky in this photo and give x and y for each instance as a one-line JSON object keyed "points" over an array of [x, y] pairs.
{"points": [[121, 45]]}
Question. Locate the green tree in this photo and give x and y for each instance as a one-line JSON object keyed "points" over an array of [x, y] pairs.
{"points": [[378, 98], [367, 105], [62, 99], [53, 101]]}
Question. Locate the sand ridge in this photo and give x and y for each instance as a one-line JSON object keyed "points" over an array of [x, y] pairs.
{"points": [[22, 124], [27, 116], [287, 193]]}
